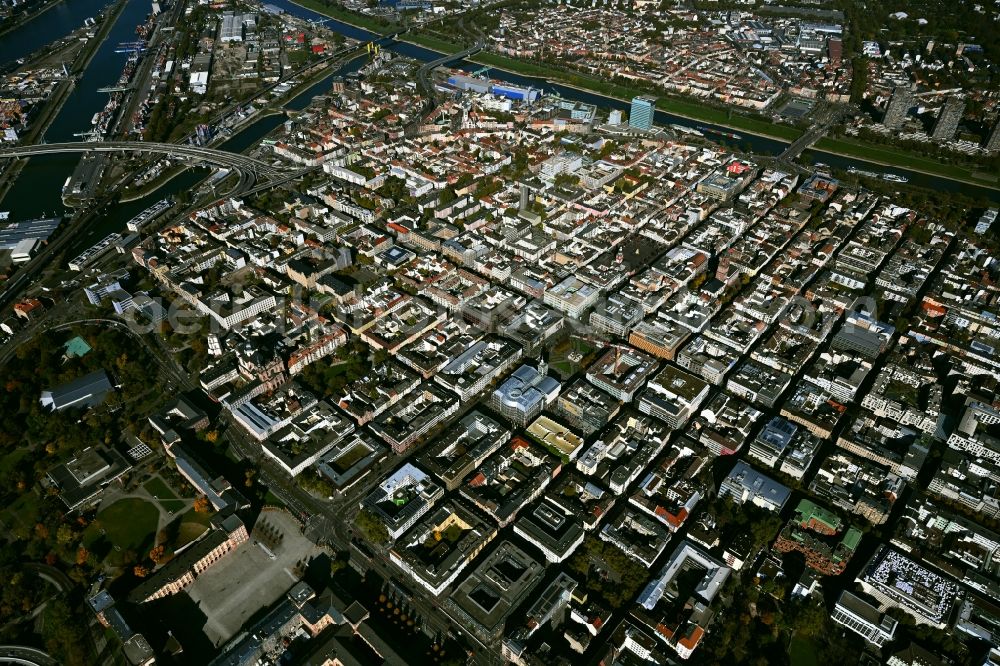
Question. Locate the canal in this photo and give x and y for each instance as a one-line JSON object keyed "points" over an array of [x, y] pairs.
{"points": [[47, 27], [38, 189], [117, 217]]}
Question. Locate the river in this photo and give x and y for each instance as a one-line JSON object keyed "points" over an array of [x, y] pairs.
{"points": [[38, 189], [756, 144], [47, 27]]}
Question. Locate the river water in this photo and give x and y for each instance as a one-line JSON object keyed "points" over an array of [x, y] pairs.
{"points": [[757, 144], [47, 27], [38, 189]]}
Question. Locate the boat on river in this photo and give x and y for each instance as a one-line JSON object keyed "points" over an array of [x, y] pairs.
{"points": [[725, 133]]}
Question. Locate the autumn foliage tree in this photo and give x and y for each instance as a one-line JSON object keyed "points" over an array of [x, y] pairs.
{"points": [[201, 505], [140, 571], [157, 554]]}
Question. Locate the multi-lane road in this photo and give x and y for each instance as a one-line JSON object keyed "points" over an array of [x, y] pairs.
{"points": [[211, 155], [327, 521], [27, 656]]}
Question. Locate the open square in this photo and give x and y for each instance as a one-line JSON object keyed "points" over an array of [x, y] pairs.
{"points": [[250, 578]]}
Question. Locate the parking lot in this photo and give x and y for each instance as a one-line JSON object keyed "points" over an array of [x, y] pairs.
{"points": [[797, 108]]}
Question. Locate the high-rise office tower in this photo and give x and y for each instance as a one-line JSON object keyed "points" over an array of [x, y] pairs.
{"points": [[641, 116]]}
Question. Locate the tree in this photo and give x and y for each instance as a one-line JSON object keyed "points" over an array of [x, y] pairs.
{"points": [[380, 357], [201, 505], [395, 188], [41, 532], [82, 555], [157, 554], [810, 619], [371, 527], [316, 484], [63, 634], [64, 534], [140, 571], [566, 180]]}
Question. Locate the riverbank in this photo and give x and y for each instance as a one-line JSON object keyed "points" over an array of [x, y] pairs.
{"points": [[352, 19], [59, 97], [321, 72], [688, 110], [312, 78], [700, 113], [108, 22], [9, 176], [247, 123], [29, 17], [53, 105], [888, 157], [691, 112], [153, 185], [147, 189], [49, 51]]}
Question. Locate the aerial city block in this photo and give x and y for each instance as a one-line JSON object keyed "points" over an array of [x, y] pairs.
{"points": [[485, 332]]}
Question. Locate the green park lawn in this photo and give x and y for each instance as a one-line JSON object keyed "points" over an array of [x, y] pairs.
{"points": [[163, 494], [567, 357], [23, 513], [341, 14], [192, 525], [802, 652], [434, 43], [270, 499], [690, 109], [129, 525], [698, 111]]}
